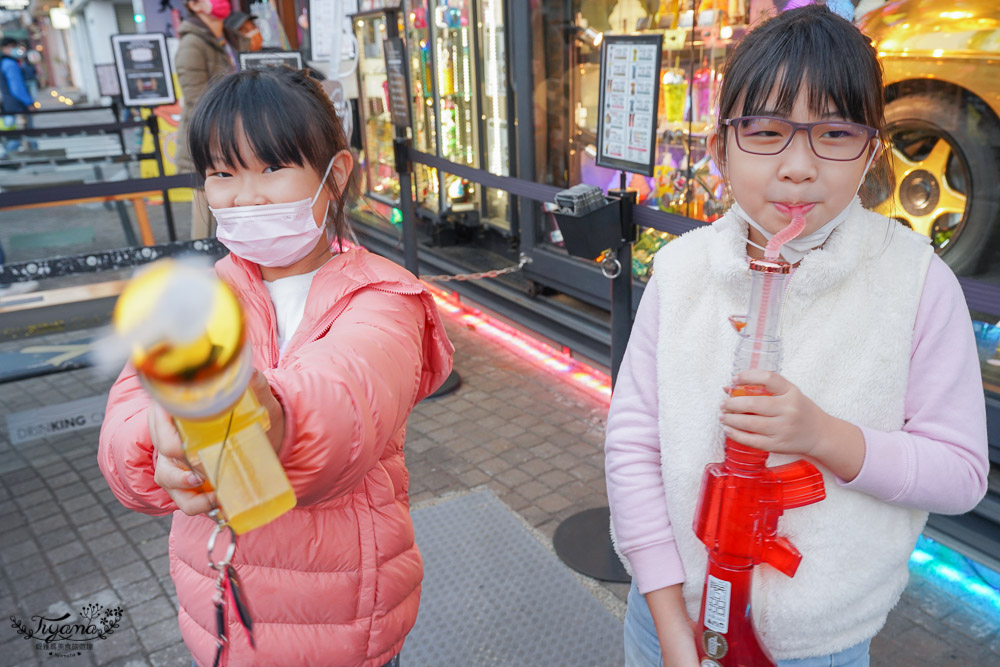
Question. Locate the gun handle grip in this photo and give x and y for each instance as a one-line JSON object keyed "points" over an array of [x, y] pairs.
{"points": [[782, 555], [801, 484]]}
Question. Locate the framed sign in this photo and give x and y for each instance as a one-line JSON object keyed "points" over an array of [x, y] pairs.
{"points": [[630, 92], [143, 69], [395, 72], [107, 80], [249, 60]]}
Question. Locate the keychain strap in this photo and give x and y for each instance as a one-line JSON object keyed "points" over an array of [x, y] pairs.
{"points": [[220, 525], [228, 587]]}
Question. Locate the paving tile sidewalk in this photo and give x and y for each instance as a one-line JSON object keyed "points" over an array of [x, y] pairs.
{"points": [[520, 430]]}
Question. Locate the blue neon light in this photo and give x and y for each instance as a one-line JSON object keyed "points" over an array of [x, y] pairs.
{"points": [[972, 582]]}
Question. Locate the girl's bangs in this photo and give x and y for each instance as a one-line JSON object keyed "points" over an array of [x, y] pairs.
{"points": [[271, 142], [249, 111], [807, 56], [774, 91]]}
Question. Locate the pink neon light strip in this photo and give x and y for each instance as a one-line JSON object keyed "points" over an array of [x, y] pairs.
{"points": [[591, 380]]}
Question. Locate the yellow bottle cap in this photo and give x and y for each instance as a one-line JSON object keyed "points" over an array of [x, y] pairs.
{"points": [[155, 312]]}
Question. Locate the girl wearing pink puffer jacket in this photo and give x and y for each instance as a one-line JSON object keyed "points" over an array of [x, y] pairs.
{"points": [[344, 345]]}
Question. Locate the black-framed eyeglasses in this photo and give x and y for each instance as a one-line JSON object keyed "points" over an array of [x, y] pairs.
{"points": [[829, 139]]}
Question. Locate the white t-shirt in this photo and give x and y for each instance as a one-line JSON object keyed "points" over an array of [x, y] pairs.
{"points": [[289, 298]]}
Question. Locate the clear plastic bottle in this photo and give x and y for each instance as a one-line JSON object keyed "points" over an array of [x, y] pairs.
{"points": [[742, 499], [759, 346], [201, 378]]}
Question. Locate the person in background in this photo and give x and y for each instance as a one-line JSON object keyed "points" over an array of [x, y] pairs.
{"points": [[242, 33], [30, 71], [202, 55], [15, 96]]}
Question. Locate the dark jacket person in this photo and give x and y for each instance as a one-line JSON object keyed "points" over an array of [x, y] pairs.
{"points": [[202, 55]]}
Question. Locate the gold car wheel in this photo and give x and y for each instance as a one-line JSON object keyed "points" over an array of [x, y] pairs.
{"points": [[922, 196]]}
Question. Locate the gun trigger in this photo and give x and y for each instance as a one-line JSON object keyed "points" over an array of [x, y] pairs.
{"points": [[782, 555]]}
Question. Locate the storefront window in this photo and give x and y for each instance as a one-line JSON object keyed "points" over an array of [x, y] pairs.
{"points": [[379, 178], [942, 111], [685, 181], [494, 56], [457, 54], [418, 44], [457, 99]]}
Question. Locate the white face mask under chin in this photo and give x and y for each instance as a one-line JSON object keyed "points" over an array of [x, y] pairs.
{"points": [[272, 235], [794, 250]]}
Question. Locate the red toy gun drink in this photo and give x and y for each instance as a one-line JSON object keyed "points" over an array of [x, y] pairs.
{"points": [[741, 498]]}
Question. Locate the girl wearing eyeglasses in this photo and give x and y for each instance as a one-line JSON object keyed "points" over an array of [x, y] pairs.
{"points": [[880, 384]]}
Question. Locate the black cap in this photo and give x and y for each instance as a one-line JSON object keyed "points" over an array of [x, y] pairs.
{"points": [[236, 19]]}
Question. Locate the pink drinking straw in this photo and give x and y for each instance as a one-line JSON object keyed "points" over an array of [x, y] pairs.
{"points": [[793, 229], [771, 254]]}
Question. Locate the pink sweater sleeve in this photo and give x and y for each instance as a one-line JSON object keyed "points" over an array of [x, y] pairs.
{"points": [[632, 460], [939, 461]]}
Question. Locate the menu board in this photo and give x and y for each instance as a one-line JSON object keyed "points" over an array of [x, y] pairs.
{"points": [[395, 71], [143, 69], [626, 126]]}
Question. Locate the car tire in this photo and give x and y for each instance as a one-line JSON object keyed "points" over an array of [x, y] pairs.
{"points": [[971, 136]]}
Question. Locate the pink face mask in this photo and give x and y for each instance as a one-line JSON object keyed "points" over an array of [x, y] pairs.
{"points": [[272, 235], [221, 8]]}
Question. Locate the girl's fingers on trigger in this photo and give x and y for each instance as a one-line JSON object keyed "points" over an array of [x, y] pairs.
{"points": [[171, 476], [192, 504]]}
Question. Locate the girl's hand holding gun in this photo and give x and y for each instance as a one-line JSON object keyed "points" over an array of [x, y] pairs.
{"points": [[786, 421], [174, 475]]}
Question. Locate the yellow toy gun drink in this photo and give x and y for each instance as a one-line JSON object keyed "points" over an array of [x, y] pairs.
{"points": [[186, 332]]}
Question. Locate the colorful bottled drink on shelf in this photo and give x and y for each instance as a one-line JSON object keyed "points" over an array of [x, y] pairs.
{"points": [[194, 363], [673, 93]]}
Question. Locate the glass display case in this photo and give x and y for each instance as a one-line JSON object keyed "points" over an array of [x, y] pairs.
{"points": [[457, 99], [379, 178], [458, 79], [419, 48], [496, 140]]}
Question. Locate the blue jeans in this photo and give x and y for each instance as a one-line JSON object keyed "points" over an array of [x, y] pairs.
{"points": [[642, 648]]}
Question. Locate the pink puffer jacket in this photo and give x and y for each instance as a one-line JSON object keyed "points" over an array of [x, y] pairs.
{"points": [[335, 581]]}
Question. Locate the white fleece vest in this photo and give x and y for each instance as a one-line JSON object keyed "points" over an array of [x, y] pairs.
{"points": [[847, 329]]}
